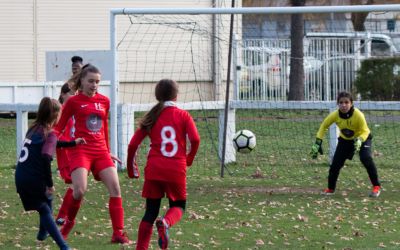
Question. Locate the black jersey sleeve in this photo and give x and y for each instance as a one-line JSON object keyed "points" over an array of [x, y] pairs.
{"points": [[47, 165], [66, 144]]}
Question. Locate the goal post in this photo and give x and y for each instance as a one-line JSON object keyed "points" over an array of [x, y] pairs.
{"points": [[190, 45]]}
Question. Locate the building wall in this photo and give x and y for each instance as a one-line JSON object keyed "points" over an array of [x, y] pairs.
{"points": [[17, 43], [29, 28]]}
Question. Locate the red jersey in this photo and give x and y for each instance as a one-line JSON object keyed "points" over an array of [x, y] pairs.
{"points": [[167, 158], [91, 120]]}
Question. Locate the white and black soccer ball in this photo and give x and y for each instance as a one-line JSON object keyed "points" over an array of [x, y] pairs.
{"points": [[244, 141]]}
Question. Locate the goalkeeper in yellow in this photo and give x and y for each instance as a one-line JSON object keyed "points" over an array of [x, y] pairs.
{"points": [[354, 137]]}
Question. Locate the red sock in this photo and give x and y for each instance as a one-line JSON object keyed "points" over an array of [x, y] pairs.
{"points": [[73, 209], [62, 213], [144, 235], [117, 214], [173, 215]]}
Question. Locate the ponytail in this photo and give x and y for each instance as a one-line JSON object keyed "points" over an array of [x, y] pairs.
{"points": [[151, 117], [64, 90]]}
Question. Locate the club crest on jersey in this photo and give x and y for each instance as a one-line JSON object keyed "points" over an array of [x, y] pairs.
{"points": [[94, 122], [97, 105]]}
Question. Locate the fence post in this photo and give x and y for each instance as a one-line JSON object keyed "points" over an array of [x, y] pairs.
{"points": [[230, 153], [125, 130], [22, 128], [333, 135]]}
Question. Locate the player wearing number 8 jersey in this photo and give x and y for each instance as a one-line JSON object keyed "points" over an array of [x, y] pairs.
{"points": [[168, 127]]}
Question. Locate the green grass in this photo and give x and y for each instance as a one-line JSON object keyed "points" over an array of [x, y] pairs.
{"points": [[280, 208]]}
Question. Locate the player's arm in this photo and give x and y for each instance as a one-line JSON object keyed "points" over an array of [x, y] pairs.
{"points": [[48, 150], [326, 123], [106, 128], [194, 139], [316, 148], [72, 143], [363, 131], [131, 165]]}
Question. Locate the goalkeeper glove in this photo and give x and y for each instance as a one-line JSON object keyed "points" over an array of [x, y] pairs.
{"points": [[316, 148], [357, 144]]}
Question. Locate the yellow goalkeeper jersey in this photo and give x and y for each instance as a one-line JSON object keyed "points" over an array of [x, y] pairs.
{"points": [[350, 128]]}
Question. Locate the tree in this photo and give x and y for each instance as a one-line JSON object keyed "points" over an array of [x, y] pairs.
{"points": [[296, 76], [358, 19]]}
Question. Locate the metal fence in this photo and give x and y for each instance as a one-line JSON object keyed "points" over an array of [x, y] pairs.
{"points": [[330, 66]]}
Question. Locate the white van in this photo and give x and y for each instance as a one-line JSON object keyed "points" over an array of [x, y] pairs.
{"points": [[265, 71], [370, 44]]}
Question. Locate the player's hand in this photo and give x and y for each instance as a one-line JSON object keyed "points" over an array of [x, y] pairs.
{"points": [[115, 158], [79, 141], [133, 171], [189, 162], [50, 191], [357, 144], [316, 148]]}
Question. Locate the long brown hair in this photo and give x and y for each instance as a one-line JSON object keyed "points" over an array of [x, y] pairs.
{"points": [[47, 114], [76, 78], [166, 90], [64, 90]]}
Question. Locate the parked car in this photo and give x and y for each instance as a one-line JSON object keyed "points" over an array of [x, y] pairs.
{"points": [[368, 44], [264, 73]]}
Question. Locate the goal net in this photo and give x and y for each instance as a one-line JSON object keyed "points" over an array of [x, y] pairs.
{"points": [[192, 47]]}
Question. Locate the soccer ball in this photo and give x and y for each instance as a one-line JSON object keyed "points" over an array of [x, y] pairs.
{"points": [[244, 141]]}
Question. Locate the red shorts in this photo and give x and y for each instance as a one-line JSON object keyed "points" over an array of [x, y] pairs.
{"points": [[154, 189], [93, 161], [65, 174]]}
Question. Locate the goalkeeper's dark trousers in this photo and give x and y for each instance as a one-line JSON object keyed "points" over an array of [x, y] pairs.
{"points": [[344, 151]]}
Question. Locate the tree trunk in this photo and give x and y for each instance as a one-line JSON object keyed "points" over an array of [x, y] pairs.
{"points": [[358, 19], [296, 77]]}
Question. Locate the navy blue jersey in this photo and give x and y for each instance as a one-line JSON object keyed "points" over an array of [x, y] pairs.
{"points": [[37, 151]]}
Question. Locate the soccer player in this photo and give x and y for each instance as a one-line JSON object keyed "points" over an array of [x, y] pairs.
{"points": [[77, 63], [33, 177], [90, 110], [66, 139], [354, 137], [165, 173]]}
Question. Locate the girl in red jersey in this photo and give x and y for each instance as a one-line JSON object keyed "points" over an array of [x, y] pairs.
{"points": [[165, 173], [33, 177], [90, 111], [62, 155]]}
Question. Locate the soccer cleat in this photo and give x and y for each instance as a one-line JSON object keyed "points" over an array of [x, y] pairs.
{"points": [[121, 238], [376, 191], [66, 228], [60, 221], [42, 235], [328, 192], [163, 236]]}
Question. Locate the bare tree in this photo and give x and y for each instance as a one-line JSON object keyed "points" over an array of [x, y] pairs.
{"points": [[296, 77], [358, 19]]}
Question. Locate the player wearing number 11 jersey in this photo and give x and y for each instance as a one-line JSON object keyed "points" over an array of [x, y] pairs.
{"points": [[90, 111], [168, 127]]}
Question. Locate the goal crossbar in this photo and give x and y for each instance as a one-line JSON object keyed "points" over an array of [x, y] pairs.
{"points": [[259, 10]]}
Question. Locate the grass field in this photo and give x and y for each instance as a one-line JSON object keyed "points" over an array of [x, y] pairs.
{"points": [[278, 208]]}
